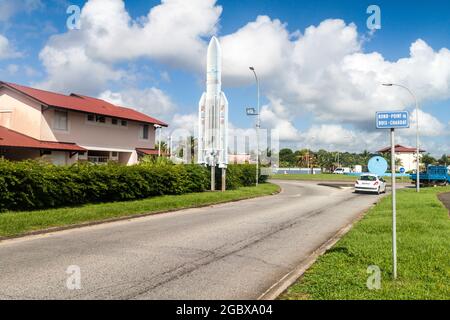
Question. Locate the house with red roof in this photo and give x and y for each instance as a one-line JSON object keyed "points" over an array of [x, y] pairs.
{"points": [[64, 129], [406, 155]]}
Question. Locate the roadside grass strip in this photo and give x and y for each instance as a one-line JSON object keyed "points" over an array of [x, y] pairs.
{"points": [[19, 223], [423, 234]]}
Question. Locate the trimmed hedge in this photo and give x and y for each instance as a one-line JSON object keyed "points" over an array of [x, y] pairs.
{"points": [[32, 185]]}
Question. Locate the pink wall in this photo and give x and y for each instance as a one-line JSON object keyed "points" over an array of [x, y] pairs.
{"points": [[102, 135], [26, 117]]}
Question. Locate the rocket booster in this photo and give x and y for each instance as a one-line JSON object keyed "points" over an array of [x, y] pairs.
{"points": [[213, 113]]}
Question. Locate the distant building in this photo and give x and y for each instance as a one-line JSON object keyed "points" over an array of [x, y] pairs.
{"points": [[238, 158], [407, 156], [64, 129]]}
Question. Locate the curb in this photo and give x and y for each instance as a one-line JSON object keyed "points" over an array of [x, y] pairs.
{"points": [[290, 278], [123, 218]]}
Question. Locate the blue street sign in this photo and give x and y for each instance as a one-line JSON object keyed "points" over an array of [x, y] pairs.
{"points": [[402, 170], [378, 165], [392, 119]]}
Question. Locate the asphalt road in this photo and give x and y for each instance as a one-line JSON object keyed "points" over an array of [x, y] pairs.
{"points": [[230, 251]]}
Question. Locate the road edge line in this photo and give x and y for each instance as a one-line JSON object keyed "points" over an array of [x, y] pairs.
{"points": [[290, 278]]}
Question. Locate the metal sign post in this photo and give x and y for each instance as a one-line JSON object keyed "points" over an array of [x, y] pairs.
{"points": [[393, 120], [394, 206]]}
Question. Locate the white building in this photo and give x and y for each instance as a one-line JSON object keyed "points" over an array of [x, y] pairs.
{"points": [[407, 156]]}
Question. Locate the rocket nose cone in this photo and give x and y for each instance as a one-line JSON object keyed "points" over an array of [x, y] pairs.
{"points": [[214, 59], [214, 45]]}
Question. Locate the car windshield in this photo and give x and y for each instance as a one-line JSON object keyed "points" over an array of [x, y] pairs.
{"points": [[368, 178]]}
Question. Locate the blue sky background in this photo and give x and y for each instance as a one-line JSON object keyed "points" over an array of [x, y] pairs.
{"points": [[32, 23]]}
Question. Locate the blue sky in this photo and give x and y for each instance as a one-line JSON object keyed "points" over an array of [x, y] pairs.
{"points": [[319, 86]]}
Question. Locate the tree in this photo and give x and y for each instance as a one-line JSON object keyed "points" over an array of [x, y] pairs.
{"points": [[444, 160], [301, 158], [427, 160], [324, 159], [287, 158], [164, 147]]}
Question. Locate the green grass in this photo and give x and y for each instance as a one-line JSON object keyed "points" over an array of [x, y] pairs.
{"points": [[16, 223], [423, 233], [326, 177]]}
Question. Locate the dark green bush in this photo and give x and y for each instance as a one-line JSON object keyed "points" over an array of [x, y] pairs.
{"points": [[31, 185]]}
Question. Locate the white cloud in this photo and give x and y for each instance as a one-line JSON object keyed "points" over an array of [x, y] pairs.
{"points": [[6, 50], [12, 69], [263, 44], [8, 8], [171, 32], [276, 117], [71, 69], [151, 101], [336, 137], [323, 72], [185, 122], [429, 126]]}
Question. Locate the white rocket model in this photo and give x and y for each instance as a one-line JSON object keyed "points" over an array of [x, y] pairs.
{"points": [[213, 113]]}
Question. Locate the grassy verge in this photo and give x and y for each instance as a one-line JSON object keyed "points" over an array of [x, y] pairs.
{"points": [[326, 177], [423, 229], [16, 223]]}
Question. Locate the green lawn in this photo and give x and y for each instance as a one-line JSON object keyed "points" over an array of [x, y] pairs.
{"points": [[16, 223], [423, 233], [325, 177]]}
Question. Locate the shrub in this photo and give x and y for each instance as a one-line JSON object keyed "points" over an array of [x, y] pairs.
{"points": [[32, 185]]}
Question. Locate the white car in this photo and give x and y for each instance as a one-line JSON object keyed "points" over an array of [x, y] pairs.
{"points": [[342, 171], [370, 183]]}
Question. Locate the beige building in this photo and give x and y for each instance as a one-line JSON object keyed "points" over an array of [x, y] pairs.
{"points": [[406, 155], [65, 129]]}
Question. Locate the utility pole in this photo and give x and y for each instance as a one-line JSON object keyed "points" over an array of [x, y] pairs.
{"points": [[258, 125]]}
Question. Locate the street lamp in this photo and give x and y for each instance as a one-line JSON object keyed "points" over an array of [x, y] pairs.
{"points": [[417, 129], [258, 124]]}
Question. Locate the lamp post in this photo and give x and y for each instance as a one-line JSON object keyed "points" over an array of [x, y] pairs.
{"points": [[417, 129], [258, 125]]}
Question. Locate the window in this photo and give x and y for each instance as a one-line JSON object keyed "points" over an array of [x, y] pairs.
{"points": [[144, 132], [100, 119], [114, 121], [114, 154], [368, 178], [61, 120], [124, 123], [90, 117]]}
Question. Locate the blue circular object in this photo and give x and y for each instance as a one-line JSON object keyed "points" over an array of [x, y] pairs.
{"points": [[378, 165], [402, 170]]}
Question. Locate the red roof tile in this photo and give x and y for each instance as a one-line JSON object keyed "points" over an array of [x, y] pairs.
{"points": [[84, 104], [10, 138], [400, 149]]}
